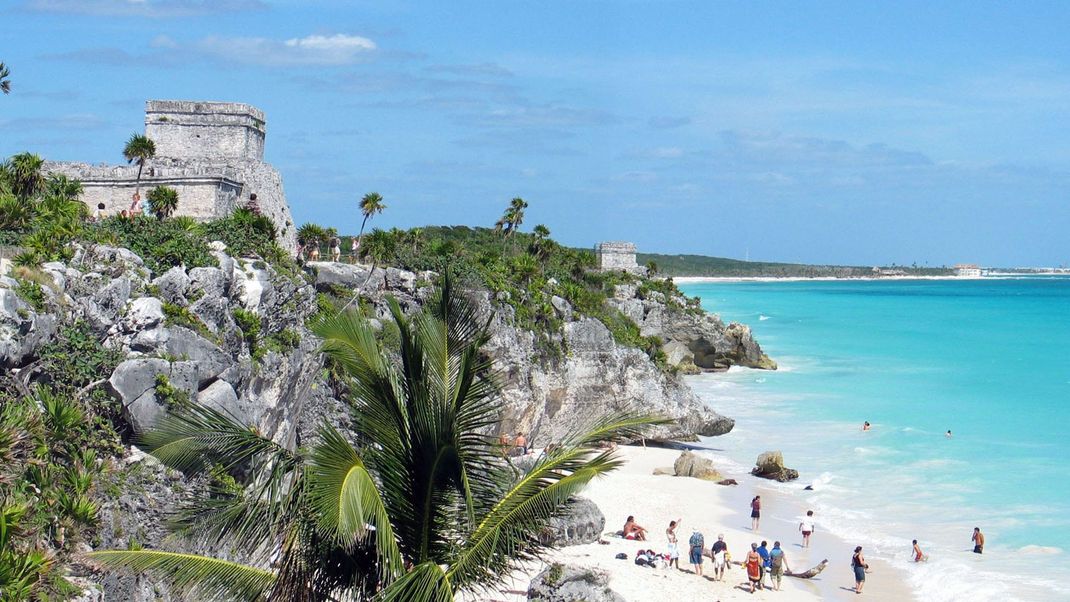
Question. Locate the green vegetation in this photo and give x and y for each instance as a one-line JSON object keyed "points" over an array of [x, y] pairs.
{"points": [[5, 81], [163, 201], [168, 394], [250, 326], [423, 508], [701, 265]]}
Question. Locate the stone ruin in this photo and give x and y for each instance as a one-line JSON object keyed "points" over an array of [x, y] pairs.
{"points": [[212, 153], [617, 256]]}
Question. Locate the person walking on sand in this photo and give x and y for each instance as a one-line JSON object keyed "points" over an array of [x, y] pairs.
{"points": [[720, 558], [778, 563], [859, 566], [763, 551], [755, 512], [978, 540], [807, 528], [753, 564], [674, 547], [919, 556], [696, 545]]}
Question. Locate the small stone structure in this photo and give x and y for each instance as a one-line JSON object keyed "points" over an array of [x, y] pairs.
{"points": [[617, 255], [211, 153]]}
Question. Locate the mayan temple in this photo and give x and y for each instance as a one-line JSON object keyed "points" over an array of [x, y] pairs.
{"points": [[212, 153]]}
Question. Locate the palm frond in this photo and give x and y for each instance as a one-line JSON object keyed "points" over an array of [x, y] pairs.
{"points": [[426, 582], [347, 501], [192, 438], [210, 578]]}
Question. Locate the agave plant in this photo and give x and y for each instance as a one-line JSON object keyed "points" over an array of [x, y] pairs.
{"points": [[414, 504]]}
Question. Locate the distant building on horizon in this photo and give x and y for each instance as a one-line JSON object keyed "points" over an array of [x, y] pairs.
{"points": [[968, 270], [617, 255]]}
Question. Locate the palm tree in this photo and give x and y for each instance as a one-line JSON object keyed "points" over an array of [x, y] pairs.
{"points": [[416, 236], [5, 83], [139, 149], [425, 507], [163, 201], [371, 204], [514, 215], [23, 172], [540, 245], [651, 267]]}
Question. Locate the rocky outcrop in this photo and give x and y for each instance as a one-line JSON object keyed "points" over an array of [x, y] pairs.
{"points": [[547, 399], [581, 522], [770, 465], [560, 583], [690, 464], [692, 339]]}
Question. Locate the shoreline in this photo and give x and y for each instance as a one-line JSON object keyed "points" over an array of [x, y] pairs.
{"points": [[713, 509], [713, 279]]}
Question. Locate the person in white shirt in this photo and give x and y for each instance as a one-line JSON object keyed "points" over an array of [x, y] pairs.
{"points": [[807, 528]]}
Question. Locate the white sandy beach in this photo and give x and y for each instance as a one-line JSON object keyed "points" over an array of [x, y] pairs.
{"points": [[712, 509]]}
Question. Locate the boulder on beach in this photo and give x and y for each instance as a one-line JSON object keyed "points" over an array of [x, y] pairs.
{"points": [[770, 465], [560, 583], [581, 522], [690, 464]]}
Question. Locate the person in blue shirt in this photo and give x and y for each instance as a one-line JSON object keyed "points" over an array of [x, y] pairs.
{"points": [[778, 563], [763, 551]]}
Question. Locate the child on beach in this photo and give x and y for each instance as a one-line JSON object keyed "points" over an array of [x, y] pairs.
{"points": [[755, 512], [807, 528], [674, 549]]}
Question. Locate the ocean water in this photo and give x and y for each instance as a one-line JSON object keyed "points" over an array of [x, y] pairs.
{"points": [[988, 359]]}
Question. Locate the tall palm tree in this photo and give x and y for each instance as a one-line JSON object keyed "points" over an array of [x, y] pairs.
{"points": [[540, 245], [423, 508], [5, 83], [370, 204], [139, 149], [416, 236], [515, 214]]}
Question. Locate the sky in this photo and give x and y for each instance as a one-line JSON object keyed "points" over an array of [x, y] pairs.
{"points": [[820, 132]]}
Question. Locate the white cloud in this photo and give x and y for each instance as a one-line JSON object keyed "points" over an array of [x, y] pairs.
{"points": [[336, 49]]}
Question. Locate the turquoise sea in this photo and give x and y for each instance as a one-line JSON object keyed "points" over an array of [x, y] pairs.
{"points": [[988, 359]]}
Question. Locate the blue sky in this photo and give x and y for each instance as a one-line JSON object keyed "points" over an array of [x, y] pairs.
{"points": [[851, 132]]}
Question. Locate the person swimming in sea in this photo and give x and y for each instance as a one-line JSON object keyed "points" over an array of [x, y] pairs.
{"points": [[948, 433], [978, 540], [865, 426], [919, 556]]}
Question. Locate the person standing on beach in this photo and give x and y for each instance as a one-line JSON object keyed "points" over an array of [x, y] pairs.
{"points": [[753, 564], [674, 547], [697, 545], [859, 566], [778, 563], [755, 512], [720, 558], [978, 540], [807, 528], [948, 433]]}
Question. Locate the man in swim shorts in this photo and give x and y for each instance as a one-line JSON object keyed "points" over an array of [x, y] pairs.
{"points": [[807, 528], [978, 540], [720, 558]]}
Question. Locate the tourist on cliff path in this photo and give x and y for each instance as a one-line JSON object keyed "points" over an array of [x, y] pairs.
{"points": [[335, 247], [807, 528], [755, 512]]}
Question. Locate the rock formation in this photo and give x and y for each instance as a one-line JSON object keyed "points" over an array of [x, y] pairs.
{"points": [[770, 465], [560, 583], [692, 339], [690, 464], [581, 522]]}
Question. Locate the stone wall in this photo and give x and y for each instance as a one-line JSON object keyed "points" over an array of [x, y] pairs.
{"points": [[616, 256], [205, 130]]}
